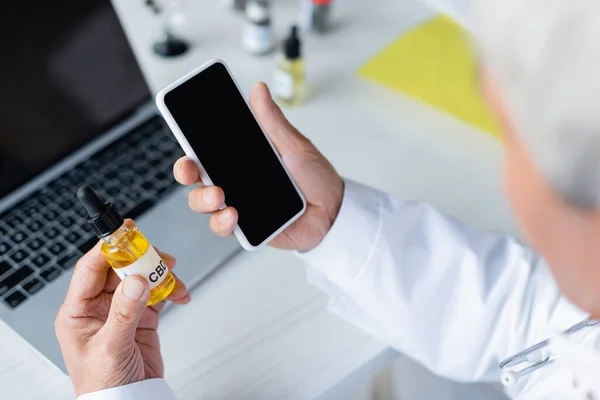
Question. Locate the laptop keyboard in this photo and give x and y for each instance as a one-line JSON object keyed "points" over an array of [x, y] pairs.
{"points": [[47, 233]]}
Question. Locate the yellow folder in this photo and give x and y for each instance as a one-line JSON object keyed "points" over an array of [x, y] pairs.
{"points": [[434, 62]]}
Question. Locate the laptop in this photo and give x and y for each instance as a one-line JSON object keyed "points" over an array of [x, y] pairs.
{"points": [[76, 109]]}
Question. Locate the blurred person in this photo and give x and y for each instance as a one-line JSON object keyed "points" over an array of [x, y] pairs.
{"points": [[454, 298]]}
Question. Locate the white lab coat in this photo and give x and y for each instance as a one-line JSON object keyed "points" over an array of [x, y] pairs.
{"points": [[456, 299]]}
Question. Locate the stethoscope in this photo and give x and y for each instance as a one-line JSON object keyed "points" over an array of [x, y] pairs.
{"points": [[534, 356]]}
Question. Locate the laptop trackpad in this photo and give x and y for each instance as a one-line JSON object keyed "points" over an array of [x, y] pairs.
{"points": [[175, 229]]}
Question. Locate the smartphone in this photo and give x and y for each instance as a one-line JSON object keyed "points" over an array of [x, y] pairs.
{"points": [[216, 128]]}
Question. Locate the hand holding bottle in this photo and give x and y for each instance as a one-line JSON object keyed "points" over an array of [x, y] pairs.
{"points": [[107, 335], [319, 182], [125, 248]]}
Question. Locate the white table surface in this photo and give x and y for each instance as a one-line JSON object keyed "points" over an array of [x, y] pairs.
{"points": [[256, 329]]}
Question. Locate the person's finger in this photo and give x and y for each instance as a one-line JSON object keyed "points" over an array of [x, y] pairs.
{"points": [[167, 258], [180, 294], [89, 277], [126, 310], [284, 135], [222, 222], [150, 316], [186, 172], [184, 300], [158, 307], [113, 280], [206, 199], [164, 255]]}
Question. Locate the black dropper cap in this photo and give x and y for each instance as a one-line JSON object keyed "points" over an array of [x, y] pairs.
{"points": [[103, 216], [292, 45]]}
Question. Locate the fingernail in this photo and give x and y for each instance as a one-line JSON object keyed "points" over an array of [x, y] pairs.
{"points": [[133, 289], [264, 92], [266, 87]]}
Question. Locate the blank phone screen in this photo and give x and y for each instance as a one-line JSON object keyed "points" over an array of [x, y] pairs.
{"points": [[215, 119]]}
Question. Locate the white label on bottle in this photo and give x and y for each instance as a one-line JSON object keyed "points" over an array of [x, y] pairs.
{"points": [[150, 266], [283, 84], [258, 39]]}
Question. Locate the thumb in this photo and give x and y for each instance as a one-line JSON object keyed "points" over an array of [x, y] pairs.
{"points": [[128, 305], [284, 136]]}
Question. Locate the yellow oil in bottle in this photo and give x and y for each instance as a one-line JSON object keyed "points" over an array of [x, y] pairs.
{"points": [[126, 246], [289, 85], [290, 81]]}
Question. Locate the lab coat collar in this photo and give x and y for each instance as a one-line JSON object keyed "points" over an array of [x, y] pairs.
{"points": [[582, 361]]}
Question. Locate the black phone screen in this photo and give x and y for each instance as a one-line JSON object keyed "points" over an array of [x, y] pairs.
{"points": [[219, 126]]}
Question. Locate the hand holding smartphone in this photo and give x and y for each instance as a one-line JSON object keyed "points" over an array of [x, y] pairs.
{"points": [[216, 128]]}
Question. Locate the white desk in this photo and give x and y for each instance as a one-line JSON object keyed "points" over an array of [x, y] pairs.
{"points": [[256, 329]]}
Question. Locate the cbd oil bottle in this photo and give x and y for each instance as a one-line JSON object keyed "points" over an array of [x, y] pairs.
{"points": [[289, 81], [257, 35], [125, 248]]}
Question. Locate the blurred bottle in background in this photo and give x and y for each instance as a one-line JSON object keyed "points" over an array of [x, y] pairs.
{"points": [[315, 15], [289, 80], [170, 43], [237, 5], [257, 35]]}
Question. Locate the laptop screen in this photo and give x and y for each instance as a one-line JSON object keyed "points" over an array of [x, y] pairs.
{"points": [[67, 74]]}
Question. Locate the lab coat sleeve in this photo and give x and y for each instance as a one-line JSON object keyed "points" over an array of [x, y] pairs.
{"points": [[151, 389], [454, 298]]}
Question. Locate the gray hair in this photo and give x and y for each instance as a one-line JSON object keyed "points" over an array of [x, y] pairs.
{"points": [[545, 55]]}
